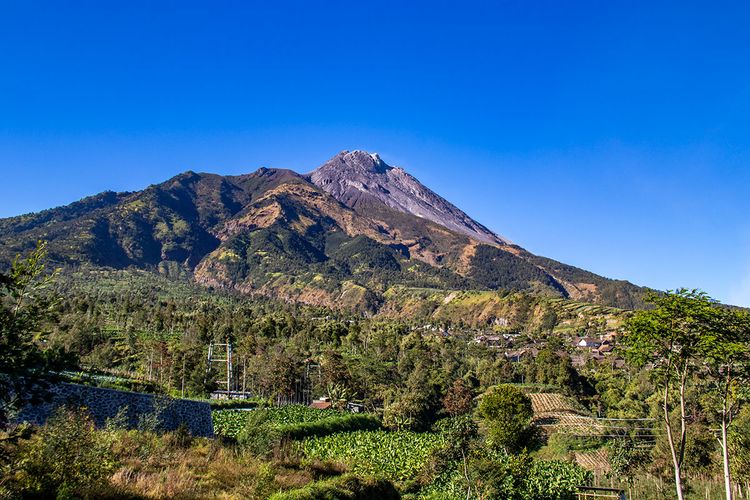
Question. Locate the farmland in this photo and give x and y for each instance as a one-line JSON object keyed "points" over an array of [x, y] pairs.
{"points": [[230, 422], [399, 455]]}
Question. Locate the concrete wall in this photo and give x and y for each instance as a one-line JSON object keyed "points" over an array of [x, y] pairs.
{"points": [[105, 403]]}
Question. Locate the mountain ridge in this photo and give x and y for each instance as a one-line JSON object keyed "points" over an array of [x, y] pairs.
{"points": [[340, 236]]}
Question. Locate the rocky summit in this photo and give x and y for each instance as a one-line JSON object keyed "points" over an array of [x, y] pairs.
{"points": [[341, 236], [359, 180]]}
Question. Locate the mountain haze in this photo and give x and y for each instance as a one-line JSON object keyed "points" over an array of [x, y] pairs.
{"points": [[341, 236]]}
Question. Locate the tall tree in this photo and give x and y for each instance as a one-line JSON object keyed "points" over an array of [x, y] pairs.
{"points": [[666, 338], [25, 367], [725, 351]]}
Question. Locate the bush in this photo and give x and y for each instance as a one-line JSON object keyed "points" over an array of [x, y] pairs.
{"points": [[67, 458], [555, 480], [259, 436], [411, 411]]}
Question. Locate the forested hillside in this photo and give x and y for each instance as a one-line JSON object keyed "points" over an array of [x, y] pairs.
{"points": [[278, 234]]}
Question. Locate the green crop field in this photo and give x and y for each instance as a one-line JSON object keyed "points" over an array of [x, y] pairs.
{"points": [[397, 455], [230, 422]]}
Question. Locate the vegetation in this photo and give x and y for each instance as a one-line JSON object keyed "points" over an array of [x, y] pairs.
{"points": [[345, 487], [686, 333], [506, 412], [447, 413], [276, 234], [292, 421], [25, 368], [400, 455]]}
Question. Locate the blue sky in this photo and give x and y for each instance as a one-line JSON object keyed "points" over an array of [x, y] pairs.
{"points": [[614, 136]]}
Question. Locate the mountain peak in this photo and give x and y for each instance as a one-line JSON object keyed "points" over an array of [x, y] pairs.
{"points": [[362, 180], [356, 161]]}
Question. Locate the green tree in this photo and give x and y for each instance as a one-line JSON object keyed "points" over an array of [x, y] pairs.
{"points": [[506, 413], [25, 367], [739, 445], [725, 351], [667, 338], [552, 368]]}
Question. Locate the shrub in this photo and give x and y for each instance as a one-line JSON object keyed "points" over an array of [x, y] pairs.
{"points": [[67, 458], [555, 480], [496, 474], [153, 421], [259, 436]]}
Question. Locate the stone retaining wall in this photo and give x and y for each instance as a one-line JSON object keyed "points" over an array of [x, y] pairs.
{"points": [[106, 403]]}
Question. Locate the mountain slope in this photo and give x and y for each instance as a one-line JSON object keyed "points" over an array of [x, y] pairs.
{"points": [[360, 180], [339, 237]]}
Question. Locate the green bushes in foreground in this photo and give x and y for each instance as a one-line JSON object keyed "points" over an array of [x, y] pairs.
{"points": [[68, 460]]}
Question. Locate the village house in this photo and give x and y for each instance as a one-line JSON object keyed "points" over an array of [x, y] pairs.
{"points": [[606, 348], [516, 355], [588, 342], [321, 404], [490, 340]]}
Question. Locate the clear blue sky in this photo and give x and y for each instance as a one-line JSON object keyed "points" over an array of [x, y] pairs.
{"points": [[610, 135]]}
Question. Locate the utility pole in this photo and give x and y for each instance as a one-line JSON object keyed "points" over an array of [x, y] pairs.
{"points": [[182, 391], [215, 349]]}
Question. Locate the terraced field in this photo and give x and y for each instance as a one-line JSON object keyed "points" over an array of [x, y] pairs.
{"points": [[556, 412], [597, 460]]}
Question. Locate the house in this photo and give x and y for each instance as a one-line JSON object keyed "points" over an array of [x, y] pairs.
{"points": [[605, 348], [589, 342], [502, 322], [577, 361], [490, 340], [493, 341], [618, 363], [321, 404], [515, 356]]}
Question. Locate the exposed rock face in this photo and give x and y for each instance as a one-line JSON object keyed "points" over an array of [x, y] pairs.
{"points": [[359, 179]]}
